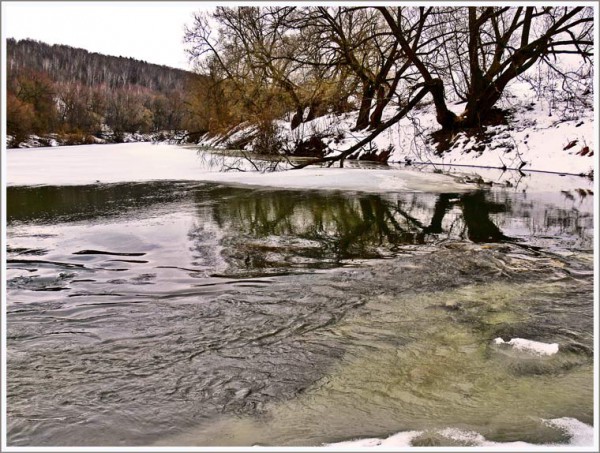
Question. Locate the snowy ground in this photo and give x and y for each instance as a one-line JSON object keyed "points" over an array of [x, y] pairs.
{"points": [[542, 134]]}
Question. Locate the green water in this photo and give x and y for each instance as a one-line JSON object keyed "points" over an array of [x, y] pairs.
{"points": [[181, 313], [427, 361]]}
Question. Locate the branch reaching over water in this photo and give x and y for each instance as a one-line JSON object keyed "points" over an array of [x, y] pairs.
{"points": [[382, 127]]}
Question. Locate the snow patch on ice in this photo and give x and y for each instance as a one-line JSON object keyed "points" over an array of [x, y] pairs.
{"points": [[402, 439], [579, 433], [536, 347], [582, 435]]}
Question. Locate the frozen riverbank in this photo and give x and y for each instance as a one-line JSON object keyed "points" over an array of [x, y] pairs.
{"points": [[146, 162], [536, 133]]}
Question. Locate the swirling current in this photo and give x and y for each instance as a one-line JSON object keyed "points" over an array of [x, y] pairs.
{"points": [[179, 313]]}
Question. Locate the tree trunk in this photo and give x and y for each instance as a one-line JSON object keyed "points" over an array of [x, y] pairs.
{"points": [[313, 111], [479, 106], [382, 127], [382, 101], [297, 119], [445, 118], [365, 106]]}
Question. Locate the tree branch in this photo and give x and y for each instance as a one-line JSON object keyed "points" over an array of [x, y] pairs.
{"points": [[382, 127]]}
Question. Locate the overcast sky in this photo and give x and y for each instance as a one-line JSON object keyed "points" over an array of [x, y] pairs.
{"points": [[150, 31]]}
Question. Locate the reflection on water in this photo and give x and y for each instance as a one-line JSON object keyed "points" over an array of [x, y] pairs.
{"points": [[162, 312], [332, 226]]}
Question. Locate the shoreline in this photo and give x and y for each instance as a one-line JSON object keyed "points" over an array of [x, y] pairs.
{"points": [[55, 140]]}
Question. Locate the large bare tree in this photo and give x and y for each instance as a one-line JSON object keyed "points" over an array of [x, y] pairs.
{"points": [[261, 50], [497, 45]]}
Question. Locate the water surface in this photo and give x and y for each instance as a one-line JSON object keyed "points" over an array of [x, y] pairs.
{"points": [[192, 313]]}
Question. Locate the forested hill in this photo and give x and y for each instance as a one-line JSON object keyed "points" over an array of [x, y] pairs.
{"points": [[68, 64], [81, 96]]}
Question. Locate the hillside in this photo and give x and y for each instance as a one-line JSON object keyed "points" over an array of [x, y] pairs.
{"points": [[82, 97], [65, 64]]}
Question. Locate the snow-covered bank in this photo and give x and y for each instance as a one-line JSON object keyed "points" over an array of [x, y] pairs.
{"points": [[113, 163], [351, 179], [579, 434], [109, 137], [538, 133]]}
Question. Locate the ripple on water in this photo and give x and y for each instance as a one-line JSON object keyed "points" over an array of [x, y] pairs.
{"points": [[203, 322]]}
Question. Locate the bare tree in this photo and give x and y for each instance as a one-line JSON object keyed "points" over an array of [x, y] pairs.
{"points": [[304, 60], [356, 38], [257, 49], [499, 43]]}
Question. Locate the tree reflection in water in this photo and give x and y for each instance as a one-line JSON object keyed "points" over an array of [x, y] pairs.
{"points": [[246, 231], [275, 231], [476, 212]]}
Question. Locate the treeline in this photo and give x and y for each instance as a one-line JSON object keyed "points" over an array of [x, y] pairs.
{"points": [[262, 62], [68, 64], [61, 89]]}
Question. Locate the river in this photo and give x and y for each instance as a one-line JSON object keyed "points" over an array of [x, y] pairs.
{"points": [[151, 301]]}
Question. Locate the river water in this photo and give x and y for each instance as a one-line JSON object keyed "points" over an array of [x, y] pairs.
{"points": [[182, 312]]}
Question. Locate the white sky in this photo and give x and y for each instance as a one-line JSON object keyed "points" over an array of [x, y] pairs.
{"points": [[150, 31]]}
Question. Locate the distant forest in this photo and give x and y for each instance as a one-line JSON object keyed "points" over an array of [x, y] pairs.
{"points": [[70, 91]]}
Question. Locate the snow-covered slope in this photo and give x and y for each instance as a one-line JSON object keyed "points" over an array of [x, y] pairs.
{"points": [[539, 133]]}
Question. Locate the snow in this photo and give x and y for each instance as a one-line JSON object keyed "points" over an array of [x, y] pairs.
{"points": [[579, 433], [91, 164], [112, 163], [350, 179], [536, 136], [536, 347], [402, 439]]}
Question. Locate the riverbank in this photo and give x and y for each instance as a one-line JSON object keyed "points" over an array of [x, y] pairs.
{"points": [[56, 139], [534, 131]]}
